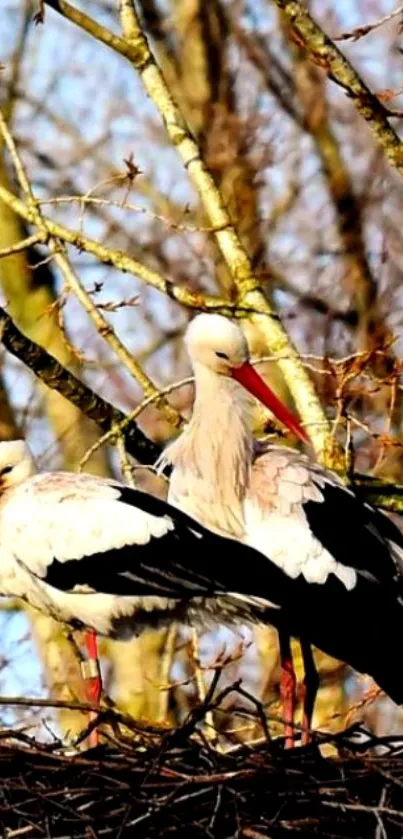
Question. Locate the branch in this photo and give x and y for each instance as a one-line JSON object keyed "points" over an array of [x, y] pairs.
{"points": [[122, 261], [55, 376], [326, 55], [104, 712], [107, 332], [358, 277], [24, 245], [135, 48], [360, 31], [59, 254], [379, 493]]}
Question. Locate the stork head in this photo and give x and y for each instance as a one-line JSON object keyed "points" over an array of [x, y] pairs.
{"points": [[16, 463], [219, 344]]}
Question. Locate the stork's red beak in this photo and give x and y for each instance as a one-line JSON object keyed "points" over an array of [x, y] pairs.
{"points": [[250, 379]]}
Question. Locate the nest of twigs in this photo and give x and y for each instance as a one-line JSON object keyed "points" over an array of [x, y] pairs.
{"points": [[152, 783]]}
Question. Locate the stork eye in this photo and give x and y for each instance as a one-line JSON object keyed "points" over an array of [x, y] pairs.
{"points": [[6, 470], [222, 355]]}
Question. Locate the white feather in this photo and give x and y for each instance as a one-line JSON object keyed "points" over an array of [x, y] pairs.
{"points": [[71, 519], [290, 544]]}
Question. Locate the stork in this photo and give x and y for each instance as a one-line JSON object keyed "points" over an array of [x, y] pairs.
{"points": [[337, 550], [100, 556], [111, 560]]}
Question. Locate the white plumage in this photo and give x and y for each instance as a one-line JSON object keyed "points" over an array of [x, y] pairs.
{"points": [[92, 552], [66, 517], [282, 482], [100, 556]]}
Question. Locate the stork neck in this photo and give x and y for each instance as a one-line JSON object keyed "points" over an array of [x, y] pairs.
{"points": [[212, 457]]}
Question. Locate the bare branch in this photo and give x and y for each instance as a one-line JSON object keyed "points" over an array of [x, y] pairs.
{"points": [[365, 29], [326, 55], [55, 376], [59, 254], [24, 245], [124, 262]]}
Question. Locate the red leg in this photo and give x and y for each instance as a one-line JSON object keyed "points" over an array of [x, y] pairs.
{"points": [[287, 688], [309, 690], [92, 679]]}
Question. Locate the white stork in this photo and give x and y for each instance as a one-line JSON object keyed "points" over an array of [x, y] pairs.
{"points": [[100, 556], [343, 558]]}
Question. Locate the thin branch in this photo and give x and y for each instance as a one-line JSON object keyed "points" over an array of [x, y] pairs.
{"points": [[125, 205], [104, 711], [59, 254], [124, 262], [363, 808], [360, 31], [24, 245], [107, 332], [326, 55], [57, 377], [117, 430]]}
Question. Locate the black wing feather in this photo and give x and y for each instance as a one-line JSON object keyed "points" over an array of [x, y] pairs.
{"points": [[188, 561], [353, 532], [135, 570], [361, 627]]}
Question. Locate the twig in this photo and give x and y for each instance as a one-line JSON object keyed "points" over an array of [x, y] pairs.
{"points": [[125, 205], [125, 263], [121, 426], [360, 31], [57, 377], [326, 55], [209, 728], [107, 332], [60, 258], [24, 245], [364, 808]]}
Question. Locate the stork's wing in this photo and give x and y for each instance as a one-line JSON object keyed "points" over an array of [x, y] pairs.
{"points": [[178, 566], [312, 524], [65, 516], [356, 533], [191, 562], [358, 626], [77, 531]]}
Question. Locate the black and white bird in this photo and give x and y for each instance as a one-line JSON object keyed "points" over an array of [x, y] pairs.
{"points": [[342, 558], [98, 555]]}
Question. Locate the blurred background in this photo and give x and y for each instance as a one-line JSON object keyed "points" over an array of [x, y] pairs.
{"points": [[320, 213]]}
